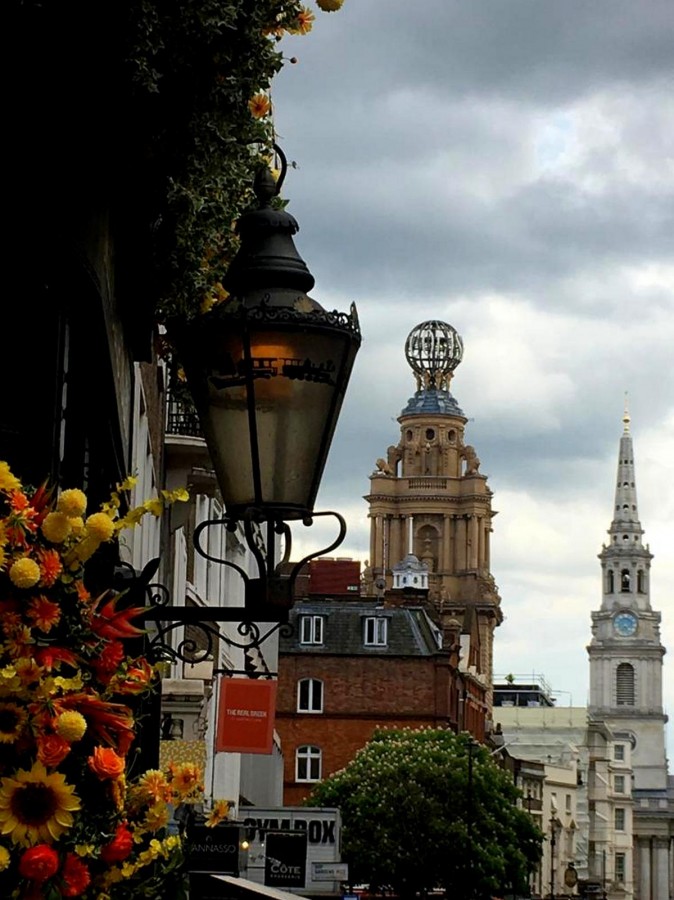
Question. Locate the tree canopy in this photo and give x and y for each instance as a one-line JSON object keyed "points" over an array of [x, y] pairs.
{"points": [[423, 809]]}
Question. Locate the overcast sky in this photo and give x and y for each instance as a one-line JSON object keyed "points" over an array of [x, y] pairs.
{"points": [[506, 166]]}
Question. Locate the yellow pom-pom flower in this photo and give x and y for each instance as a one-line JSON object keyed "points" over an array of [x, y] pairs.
{"points": [[77, 524], [24, 573], [329, 5], [71, 725], [72, 503], [56, 527], [100, 526]]}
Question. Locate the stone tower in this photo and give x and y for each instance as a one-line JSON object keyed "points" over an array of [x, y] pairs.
{"points": [[626, 665], [429, 500]]}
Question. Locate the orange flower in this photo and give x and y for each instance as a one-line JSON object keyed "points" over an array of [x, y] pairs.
{"points": [[106, 764], [82, 593], [137, 679], [44, 613], [52, 750], [260, 106], [50, 566]]}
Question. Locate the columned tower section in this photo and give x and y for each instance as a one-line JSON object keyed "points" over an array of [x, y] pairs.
{"points": [[428, 497]]}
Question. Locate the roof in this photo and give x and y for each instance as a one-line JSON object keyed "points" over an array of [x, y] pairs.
{"points": [[432, 401], [410, 631]]}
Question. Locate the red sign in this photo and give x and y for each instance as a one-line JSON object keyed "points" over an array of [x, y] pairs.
{"points": [[246, 715]]}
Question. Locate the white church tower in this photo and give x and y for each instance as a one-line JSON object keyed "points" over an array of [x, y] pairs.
{"points": [[626, 670]]}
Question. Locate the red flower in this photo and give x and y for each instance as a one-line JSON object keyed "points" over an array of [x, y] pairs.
{"points": [[76, 877], [109, 660], [111, 723], [39, 862], [112, 623], [48, 657], [119, 847]]}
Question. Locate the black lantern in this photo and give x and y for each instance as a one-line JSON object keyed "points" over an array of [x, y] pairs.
{"points": [[268, 369]]}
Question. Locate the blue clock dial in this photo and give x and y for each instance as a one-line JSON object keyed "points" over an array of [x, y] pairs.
{"points": [[625, 623]]}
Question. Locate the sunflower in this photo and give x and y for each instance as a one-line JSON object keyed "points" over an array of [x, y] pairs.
{"points": [[12, 720], [36, 806]]}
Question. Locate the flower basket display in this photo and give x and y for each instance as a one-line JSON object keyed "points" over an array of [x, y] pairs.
{"points": [[72, 823]]}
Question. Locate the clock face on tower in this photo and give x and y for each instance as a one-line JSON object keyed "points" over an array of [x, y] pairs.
{"points": [[625, 623]]}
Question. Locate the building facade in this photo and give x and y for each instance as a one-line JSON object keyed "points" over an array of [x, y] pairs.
{"points": [[626, 671]]}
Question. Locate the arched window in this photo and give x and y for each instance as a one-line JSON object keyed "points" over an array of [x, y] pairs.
{"points": [[609, 582], [641, 581], [625, 581], [308, 764], [624, 684], [310, 695]]}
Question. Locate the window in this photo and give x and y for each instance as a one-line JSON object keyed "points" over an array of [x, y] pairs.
{"points": [[609, 583], [375, 631], [568, 803], [308, 764], [619, 819], [620, 867], [625, 585], [641, 582], [311, 629], [310, 695], [624, 683], [619, 784], [619, 752]]}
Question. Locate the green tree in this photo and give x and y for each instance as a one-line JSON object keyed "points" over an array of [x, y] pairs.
{"points": [[429, 808]]}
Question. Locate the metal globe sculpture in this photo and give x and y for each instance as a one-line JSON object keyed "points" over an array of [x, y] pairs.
{"points": [[433, 350]]}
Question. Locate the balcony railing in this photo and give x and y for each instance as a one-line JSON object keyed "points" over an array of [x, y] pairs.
{"points": [[427, 483], [182, 418]]}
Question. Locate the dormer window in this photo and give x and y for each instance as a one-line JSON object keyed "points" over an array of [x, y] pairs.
{"points": [[311, 629], [376, 631]]}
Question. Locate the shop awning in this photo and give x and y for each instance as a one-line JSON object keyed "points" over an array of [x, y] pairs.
{"points": [[252, 887]]}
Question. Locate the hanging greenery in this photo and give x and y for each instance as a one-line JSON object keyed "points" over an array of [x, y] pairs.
{"points": [[201, 73]]}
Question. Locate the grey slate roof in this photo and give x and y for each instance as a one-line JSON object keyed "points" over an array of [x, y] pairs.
{"points": [[410, 632], [432, 401]]}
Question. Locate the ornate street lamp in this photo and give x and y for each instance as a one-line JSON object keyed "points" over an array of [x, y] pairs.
{"points": [[267, 369]]}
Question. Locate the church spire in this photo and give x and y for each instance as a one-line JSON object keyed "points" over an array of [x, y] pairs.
{"points": [[626, 515]]}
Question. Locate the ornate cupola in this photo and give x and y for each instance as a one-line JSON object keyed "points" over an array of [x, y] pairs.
{"points": [[428, 497]]}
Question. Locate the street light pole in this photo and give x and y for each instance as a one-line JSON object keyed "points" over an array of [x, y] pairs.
{"points": [[553, 841]]}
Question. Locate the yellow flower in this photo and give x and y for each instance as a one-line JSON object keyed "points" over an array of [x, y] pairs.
{"points": [[260, 106], [185, 778], [24, 573], [71, 725], [76, 524], [8, 482], [85, 849], [12, 721], [100, 526], [157, 817], [4, 858], [219, 812], [305, 21], [153, 784], [36, 806], [56, 527], [72, 503]]}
